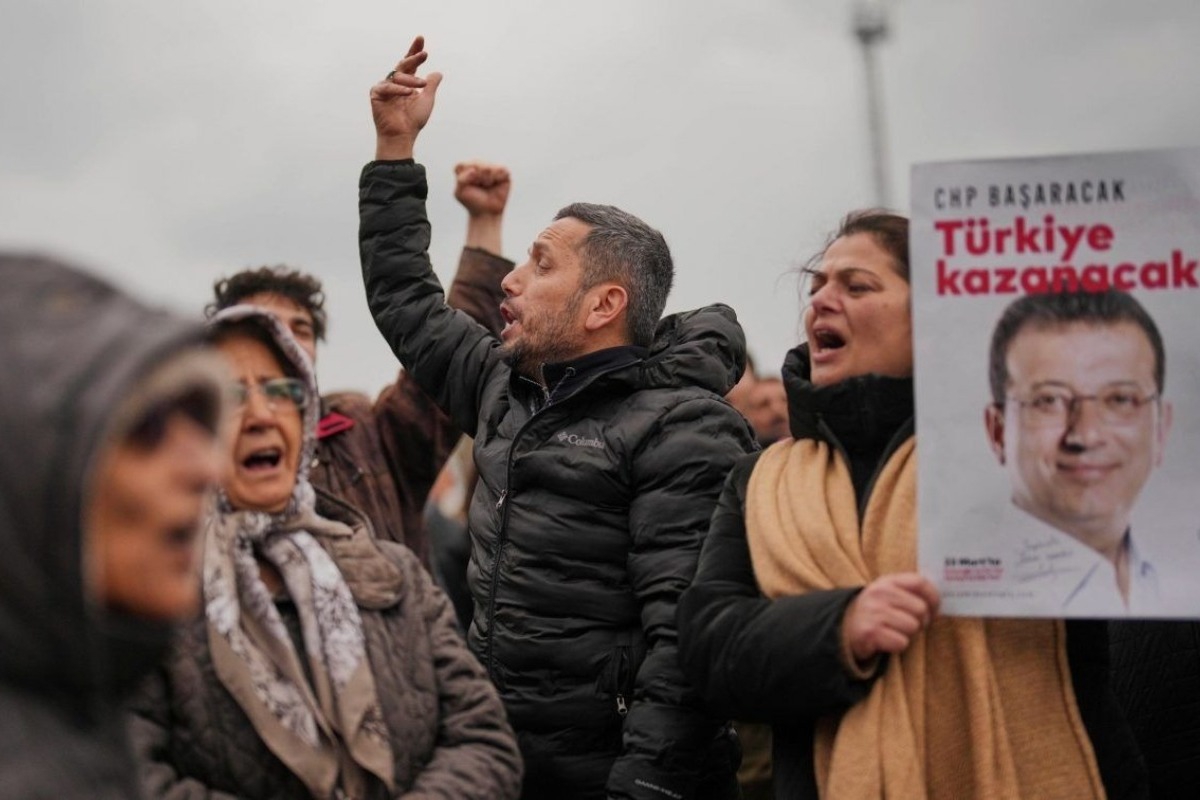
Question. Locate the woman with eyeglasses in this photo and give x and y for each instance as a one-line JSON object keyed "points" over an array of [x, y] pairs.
{"points": [[326, 663], [807, 611]]}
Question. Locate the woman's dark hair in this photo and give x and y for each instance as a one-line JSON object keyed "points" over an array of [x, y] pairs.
{"points": [[889, 230]]}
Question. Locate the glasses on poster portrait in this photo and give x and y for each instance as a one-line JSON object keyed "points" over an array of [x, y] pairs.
{"points": [[280, 393], [1055, 407]]}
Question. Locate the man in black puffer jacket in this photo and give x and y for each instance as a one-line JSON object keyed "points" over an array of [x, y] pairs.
{"points": [[601, 442]]}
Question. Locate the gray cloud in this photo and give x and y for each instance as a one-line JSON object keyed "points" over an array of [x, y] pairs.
{"points": [[170, 143]]}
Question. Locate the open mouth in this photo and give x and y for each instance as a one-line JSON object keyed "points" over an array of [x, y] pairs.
{"points": [[265, 458], [510, 319], [826, 339]]}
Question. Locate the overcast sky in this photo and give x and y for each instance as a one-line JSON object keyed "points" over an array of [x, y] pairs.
{"points": [[168, 143]]}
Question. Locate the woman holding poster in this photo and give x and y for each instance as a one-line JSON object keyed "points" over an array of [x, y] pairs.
{"points": [[807, 611]]}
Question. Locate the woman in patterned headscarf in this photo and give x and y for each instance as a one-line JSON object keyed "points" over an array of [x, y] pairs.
{"points": [[326, 663]]}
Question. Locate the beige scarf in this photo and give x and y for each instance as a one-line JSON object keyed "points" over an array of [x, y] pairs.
{"points": [[327, 730], [974, 708]]}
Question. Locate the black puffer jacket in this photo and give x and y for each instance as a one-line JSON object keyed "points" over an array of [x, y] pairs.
{"points": [[587, 519], [779, 661], [71, 349]]}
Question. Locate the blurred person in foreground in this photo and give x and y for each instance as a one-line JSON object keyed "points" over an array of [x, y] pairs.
{"points": [[383, 456], [326, 664], [109, 414], [601, 441], [807, 611]]}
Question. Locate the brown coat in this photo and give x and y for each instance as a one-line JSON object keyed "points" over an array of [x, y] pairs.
{"points": [[446, 724], [386, 462]]}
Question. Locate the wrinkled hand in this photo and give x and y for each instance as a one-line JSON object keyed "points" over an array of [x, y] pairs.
{"points": [[888, 613], [481, 187], [402, 102]]}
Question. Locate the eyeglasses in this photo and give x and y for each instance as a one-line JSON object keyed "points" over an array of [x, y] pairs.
{"points": [[1055, 407], [280, 393]]}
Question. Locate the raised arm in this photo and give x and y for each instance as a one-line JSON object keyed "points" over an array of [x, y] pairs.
{"points": [[482, 189], [416, 438], [448, 354]]}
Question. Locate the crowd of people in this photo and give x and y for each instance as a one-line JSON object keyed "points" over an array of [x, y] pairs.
{"points": [[658, 563]]}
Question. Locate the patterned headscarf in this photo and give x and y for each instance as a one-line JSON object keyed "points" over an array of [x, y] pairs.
{"points": [[324, 722]]}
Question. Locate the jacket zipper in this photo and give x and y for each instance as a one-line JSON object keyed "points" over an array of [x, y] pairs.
{"points": [[502, 506], [501, 538], [620, 679]]}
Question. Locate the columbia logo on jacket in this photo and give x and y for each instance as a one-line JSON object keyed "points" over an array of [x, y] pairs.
{"points": [[579, 441]]}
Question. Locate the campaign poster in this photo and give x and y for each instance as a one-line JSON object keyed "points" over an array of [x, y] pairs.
{"points": [[1056, 323]]}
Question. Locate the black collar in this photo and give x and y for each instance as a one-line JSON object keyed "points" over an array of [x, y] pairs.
{"points": [[864, 413], [563, 378]]}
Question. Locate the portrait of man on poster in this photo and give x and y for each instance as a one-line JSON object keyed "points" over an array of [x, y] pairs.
{"points": [[1078, 421]]}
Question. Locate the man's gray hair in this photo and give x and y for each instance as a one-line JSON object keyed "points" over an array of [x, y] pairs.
{"points": [[623, 249]]}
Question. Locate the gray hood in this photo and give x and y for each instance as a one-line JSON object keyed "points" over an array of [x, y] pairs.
{"points": [[72, 348]]}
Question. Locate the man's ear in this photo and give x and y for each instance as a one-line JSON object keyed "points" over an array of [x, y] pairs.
{"points": [[993, 421], [606, 304]]}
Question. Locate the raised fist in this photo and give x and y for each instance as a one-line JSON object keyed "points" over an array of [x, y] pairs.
{"points": [[481, 187]]}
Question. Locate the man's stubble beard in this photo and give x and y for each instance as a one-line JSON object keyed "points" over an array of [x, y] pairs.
{"points": [[556, 341]]}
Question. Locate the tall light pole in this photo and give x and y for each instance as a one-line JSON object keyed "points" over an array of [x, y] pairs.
{"points": [[870, 26]]}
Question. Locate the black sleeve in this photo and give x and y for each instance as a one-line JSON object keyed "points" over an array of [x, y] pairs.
{"points": [[448, 353], [753, 658]]}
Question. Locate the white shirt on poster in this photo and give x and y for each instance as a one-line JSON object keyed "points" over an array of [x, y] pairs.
{"points": [[1064, 577]]}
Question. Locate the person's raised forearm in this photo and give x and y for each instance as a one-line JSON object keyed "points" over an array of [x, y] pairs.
{"points": [[484, 232], [482, 189]]}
